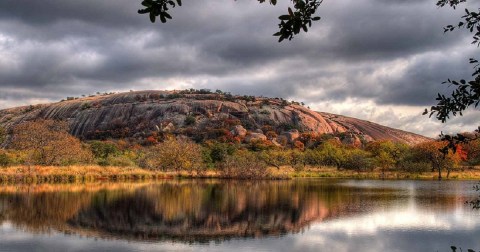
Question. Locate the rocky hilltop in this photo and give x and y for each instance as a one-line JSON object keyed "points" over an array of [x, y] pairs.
{"points": [[200, 114]]}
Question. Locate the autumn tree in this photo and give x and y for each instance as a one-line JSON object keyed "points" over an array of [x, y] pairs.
{"points": [[177, 155], [430, 151], [48, 142], [244, 164]]}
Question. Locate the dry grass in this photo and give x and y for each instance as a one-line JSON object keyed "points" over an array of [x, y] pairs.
{"points": [[91, 174], [72, 174], [472, 173]]}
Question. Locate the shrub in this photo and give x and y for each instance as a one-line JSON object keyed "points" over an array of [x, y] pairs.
{"points": [[103, 149], [190, 120], [276, 158], [47, 142], [219, 151], [3, 135], [243, 164], [172, 154], [4, 159], [358, 160]]}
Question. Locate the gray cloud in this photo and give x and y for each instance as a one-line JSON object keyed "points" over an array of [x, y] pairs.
{"points": [[391, 53]]}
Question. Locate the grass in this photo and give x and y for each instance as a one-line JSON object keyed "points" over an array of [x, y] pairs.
{"points": [[74, 174], [472, 173], [94, 173]]}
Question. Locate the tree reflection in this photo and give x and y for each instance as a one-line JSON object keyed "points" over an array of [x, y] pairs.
{"points": [[192, 210]]}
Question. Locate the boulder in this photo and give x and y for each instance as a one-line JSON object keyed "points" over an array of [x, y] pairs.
{"points": [[292, 135], [239, 130], [255, 136], [352, 139]]}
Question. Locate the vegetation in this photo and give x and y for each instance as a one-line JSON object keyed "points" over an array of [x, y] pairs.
{"points": [[48, 143], [299, 18], [220, 153], [466, 93]]}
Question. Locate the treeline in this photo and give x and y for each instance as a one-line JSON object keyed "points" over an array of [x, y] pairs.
{"points": [[48, 143]]}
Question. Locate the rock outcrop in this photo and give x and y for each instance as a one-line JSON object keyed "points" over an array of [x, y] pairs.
{"points": [[140, 113]]}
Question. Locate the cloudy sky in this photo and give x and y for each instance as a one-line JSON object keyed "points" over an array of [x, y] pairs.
{"points": [[380, 60]]}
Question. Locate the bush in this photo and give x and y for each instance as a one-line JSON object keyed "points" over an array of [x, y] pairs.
{"points": [[48, 142], [219, 151], [190, 120], [177, 155], [4, 159], [103, 149], [359, 160], [243, 164]]}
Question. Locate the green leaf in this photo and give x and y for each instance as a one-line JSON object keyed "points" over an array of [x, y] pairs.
{"points": [[162, 17], [152, 17]]}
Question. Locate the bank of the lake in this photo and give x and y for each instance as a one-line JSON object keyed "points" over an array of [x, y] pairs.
{"points": [[81, 174]]}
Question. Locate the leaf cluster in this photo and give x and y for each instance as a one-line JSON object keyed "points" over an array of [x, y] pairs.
{"points": [[299, 18], [158, 8]]}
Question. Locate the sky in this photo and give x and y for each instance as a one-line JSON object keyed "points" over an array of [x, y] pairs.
{"points": [[378, 60]]}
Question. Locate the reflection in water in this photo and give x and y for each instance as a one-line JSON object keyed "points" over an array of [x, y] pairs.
{"points": [[206, 210]]}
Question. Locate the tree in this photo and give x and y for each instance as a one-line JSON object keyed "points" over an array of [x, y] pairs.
{"points": [[299, 18], [103, 149], [386, 153], [428, 151], [177, 155], [465, 93], [48, 142]]}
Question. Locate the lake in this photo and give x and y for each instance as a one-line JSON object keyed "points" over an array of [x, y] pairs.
{"points": [[221, 215]]}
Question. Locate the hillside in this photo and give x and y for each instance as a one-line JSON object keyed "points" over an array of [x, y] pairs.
{"points": [[199, 114]]}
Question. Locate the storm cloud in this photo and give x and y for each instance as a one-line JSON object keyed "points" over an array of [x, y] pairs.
{"points": [[373, 59]]}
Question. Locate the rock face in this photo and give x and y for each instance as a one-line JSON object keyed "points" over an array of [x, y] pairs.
{"points": [[138, 113]]}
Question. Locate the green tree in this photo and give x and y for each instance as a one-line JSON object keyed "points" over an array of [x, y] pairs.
{"points": [[276, 158], [331, 153], [387, 153], [358, 160], [103, 149]]}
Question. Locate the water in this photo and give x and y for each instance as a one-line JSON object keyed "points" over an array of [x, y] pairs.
{"points": [[214, 215]]}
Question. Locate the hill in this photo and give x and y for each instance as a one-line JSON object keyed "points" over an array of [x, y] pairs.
{"points": [[200, 114]]}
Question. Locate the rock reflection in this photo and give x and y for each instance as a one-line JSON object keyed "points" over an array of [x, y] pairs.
{"points": [[191, 210]]}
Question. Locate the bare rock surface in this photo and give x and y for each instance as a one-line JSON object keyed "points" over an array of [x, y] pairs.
{"points": [[140, 112]]}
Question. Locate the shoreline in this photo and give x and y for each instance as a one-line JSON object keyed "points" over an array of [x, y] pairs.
{"points": [[88, 174]]}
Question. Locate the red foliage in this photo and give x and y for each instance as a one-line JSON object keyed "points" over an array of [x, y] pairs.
{"points": [[461, 152], [299, 145], [151, 140]]}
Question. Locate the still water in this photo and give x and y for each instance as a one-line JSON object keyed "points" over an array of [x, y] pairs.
{"points": [[215, 215]]}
